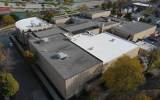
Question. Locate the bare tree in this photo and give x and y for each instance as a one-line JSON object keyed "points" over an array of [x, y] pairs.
{"points": [[6, 60]]}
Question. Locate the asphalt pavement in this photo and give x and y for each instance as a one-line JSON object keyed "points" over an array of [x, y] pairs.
{"points": [[30, 86]]}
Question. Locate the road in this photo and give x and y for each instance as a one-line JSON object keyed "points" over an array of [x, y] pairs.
{"points": [[30, 86]]}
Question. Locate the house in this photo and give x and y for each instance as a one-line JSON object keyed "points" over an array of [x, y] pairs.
{"points": [[134, 30]]}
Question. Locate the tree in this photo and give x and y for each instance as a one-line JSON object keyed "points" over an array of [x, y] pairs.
{"points": [[107, 5], [95, 94], [2, 56], [142, 96], [114, 9], [7, 20], [104, 5], [153, 59], [124, 75], [128, 16], [47, 15], [152, 2], [6, 2], [29, 56], [43, 6], [83, 7], [68, 1], [14, 16], [9, 86], [120, 4]]}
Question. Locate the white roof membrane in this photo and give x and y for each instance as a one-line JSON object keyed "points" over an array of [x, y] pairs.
{"points": [[104, 46], [33, 24]]}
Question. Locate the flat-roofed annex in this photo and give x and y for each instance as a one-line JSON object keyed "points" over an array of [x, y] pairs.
{"points": [[78, 60], [132, 28]]}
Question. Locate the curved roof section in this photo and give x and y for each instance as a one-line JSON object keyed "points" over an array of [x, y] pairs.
{"points": [[33, 24]]}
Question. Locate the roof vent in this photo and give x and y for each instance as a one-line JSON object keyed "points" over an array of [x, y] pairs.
{"points": [[60, 55], [119, 25], [112, 40], [45, 39], [91, 48]]}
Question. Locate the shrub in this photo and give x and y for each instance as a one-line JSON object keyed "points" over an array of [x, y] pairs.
{"points": [[124, 75], [7, 20], [142, 96], [9, 85], [29, 56]]}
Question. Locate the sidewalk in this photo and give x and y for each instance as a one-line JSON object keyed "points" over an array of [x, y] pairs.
{"points": [[7, 27]]}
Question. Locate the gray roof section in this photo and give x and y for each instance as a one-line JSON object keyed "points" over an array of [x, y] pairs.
{"points": [[77, 61], [60, 17], [49, 32], [110, 23], [81, 26], [133, 27], [94, 11]]}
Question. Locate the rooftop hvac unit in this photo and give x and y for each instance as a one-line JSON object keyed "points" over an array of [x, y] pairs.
{"points": [[112, 40], [59, 55], [91, 48], [45, 39]]}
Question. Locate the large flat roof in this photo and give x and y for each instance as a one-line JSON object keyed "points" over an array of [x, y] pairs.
{"points": [[133, 27], [104, 46], [78, 60]]}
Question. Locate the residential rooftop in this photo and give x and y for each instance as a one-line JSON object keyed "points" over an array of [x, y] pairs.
{"points": [[76, 59], [145, 45]]}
